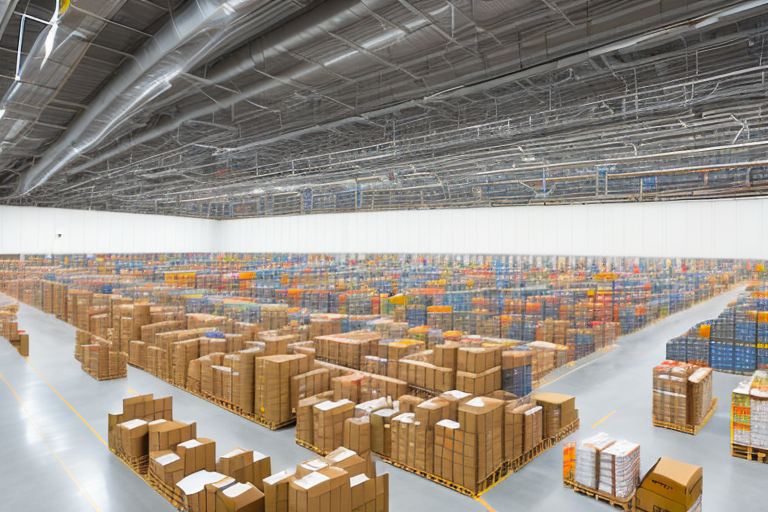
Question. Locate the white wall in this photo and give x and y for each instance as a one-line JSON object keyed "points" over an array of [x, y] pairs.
{"points": [[729, 228], [28, 230]]}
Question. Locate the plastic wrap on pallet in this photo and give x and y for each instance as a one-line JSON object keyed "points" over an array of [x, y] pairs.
{"points": [[587, 471]]}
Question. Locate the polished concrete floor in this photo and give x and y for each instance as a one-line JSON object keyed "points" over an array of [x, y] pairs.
{"points": [[53, 418]]}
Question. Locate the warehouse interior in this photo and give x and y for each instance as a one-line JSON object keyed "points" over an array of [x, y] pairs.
{"points": [[383, 255]]}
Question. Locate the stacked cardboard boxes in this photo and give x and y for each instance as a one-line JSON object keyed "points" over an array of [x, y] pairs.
{"points": [[272, 389]]}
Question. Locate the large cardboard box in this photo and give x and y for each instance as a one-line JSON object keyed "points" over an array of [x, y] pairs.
{"points": [[245, 466], [559, 411], [305, 424], [198, 454], [483, 417], [134, 438], [240, 497], [166, 435], [381, 438], [370, 495], [327, 490], [212, 489], [276, 490], [191, 490], [329, 418], [308, 384], [272, 388], [351, 462], [455, 398], [167, 466], [357, 434], [670, 486]]}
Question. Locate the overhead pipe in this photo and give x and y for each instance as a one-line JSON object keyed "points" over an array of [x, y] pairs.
{"points": [[174, 48]]}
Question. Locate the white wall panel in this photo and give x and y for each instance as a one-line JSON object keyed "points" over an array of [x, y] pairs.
{"points": [[28, 230], [729, 228], [719, 229]]}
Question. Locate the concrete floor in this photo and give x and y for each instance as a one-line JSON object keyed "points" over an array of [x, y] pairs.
{"points": [[53, 445]]}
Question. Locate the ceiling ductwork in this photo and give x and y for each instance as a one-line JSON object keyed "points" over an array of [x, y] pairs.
{"points": [[176, 48]]}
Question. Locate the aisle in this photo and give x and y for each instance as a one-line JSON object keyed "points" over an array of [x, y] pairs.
{"points": [[625, 378], [616, 390]]}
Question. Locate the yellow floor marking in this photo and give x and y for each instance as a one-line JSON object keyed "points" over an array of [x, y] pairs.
{"points": [[132, 391], [39, 432], [486, 505], [602, 420], [68, 404]]}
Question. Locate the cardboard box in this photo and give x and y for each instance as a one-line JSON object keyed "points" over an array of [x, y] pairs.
{"points": [[240, 497], [167, 466], [408, 403], [351, 462], [381, 437], [559, 411], [134, 438], [191, 490], [357, 434], [308, 384], [670, 486], [484, 418], [166, 435], [245, 466], [198, 454], [212, 489], [327, 490], [329, 418], [272, 388], [305, 424], [276, 490]]}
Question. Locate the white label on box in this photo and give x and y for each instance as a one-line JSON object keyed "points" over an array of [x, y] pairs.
{"points": [[157, 422], [533, 411], [449, 424], [358, 479], [314, 465], [196, 482], [258, 456], [311, 480], [133, 424], [476, 402], [192, 443], [343, 455], [167, 459], [236, 451], [458, 395], [272, 480], [236, 490]]}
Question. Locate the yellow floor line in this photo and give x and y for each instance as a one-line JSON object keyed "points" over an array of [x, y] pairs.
{"points": [[132, 391], [486, 505], [42, 437], [68, 404], [602, 420]]}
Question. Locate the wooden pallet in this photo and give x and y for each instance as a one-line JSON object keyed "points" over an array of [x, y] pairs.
{"points": [[236, 410], [504, 470], [749, 453], [140, 466], [628, 504], [688, 429], [310, 447]]}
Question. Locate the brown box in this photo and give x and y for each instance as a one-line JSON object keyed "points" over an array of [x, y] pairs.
{"points": [[558, 411], [329, 418], [357, 435], [240, 497], [166, 435], [212, 489], [308, 384], [381, 437], [327, 490], [446, 355], [272, 387], [276, 490], [198, 454], [484, 418], [670, 486], [134, 438], [167, 466], [245, 466], [351, 462], [305, 424], [408, 403], [478, 359]]}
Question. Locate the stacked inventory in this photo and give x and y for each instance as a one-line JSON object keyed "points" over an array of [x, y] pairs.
{"points": [[682, 396], [749, 417]]}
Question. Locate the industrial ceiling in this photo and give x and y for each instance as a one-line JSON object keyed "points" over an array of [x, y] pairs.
{"points": [[243, 108]]}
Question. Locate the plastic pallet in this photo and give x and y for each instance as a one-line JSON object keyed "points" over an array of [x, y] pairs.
{"points": [[627, 504], [688, 429]]}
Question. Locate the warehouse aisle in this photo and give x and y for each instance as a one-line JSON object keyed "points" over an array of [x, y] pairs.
{"points": [[616, 392], [623, 385]]}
